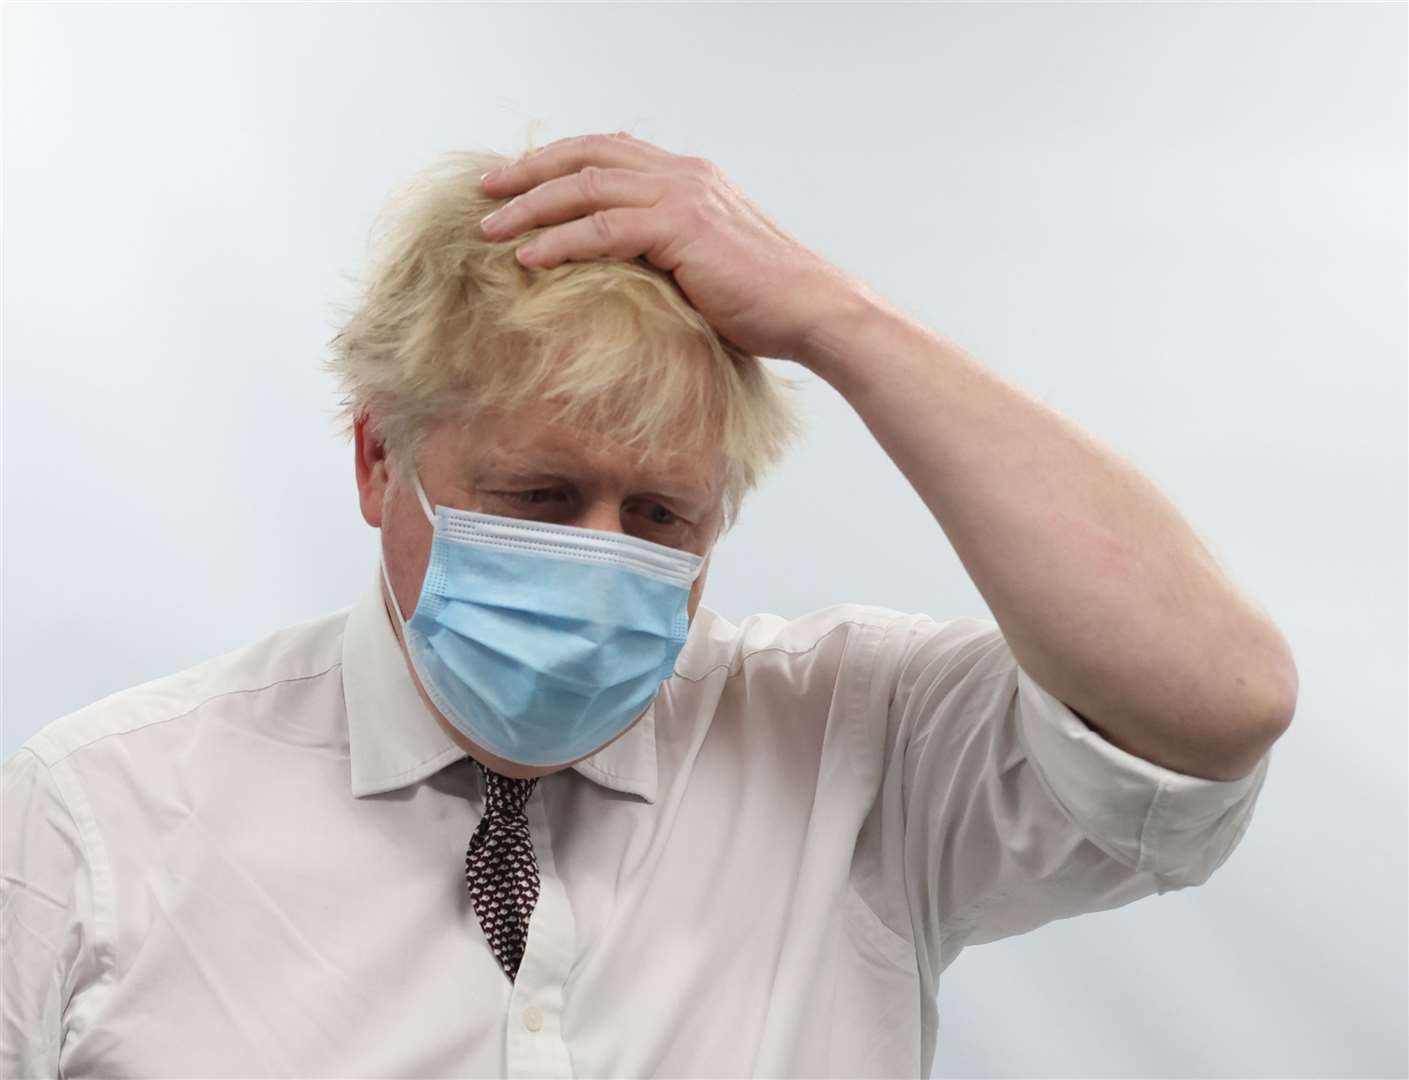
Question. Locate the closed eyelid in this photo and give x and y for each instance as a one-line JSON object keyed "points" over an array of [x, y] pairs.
{"points": [[676, 504], [501, 478]]}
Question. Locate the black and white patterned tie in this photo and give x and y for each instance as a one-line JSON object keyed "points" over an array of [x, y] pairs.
{"points": [[501, 869]]}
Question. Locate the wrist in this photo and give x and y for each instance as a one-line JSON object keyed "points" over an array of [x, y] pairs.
{"points": [[833, 339]]}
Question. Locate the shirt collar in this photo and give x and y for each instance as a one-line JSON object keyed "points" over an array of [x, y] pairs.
{"points": [[394, 740]]}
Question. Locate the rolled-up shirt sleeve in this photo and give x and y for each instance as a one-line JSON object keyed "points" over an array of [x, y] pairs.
{"points": [[1016, 813], [45, 921]]}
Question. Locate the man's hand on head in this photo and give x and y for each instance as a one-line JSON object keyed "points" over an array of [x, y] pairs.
{"points": [[620, 197]]}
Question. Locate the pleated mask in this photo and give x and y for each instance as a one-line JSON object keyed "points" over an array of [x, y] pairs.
{"points": [[540, 642]]}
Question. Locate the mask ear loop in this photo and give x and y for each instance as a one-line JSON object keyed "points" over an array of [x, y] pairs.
{"points": [[421, 494], [391, 593], [430, 516]]}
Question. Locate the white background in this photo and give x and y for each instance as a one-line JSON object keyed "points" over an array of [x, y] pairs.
{"points": [[1183, 225]]}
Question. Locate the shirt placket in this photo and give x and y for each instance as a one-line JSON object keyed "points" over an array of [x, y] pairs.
{"points": [[534, 1037]]}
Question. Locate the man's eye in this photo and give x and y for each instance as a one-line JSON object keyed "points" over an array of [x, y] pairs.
{"points": [[658, 514], [529, 497]]}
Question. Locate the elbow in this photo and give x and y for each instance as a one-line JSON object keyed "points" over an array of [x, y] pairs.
{"points": [[1261, 725], [1279, 704]]}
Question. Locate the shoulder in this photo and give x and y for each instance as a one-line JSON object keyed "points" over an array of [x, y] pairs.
{"points": [[299, 653]]}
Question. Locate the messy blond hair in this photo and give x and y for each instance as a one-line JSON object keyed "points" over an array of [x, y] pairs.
{"points": [[450, 324]]}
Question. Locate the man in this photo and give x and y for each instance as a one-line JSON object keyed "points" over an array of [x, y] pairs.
{"points": [[529, 809]]}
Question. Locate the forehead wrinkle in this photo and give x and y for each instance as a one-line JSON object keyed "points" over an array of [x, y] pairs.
{"points": [[534, 439], [580, 465]]}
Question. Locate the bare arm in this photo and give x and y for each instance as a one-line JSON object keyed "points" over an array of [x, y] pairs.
{"points": [[1103, 592]]}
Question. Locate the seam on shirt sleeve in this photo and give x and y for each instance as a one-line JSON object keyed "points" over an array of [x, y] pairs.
{"points": [[95, 858], [864, 711], [1142, 838], [859, 711]]}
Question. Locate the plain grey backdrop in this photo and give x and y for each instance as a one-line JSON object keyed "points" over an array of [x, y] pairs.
{"points": [[1184, 225]]}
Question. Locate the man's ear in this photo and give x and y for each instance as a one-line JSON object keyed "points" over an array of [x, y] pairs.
{"points": [[373, 471]]}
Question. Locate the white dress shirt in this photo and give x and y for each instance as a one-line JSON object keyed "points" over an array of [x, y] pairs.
{"points": [[255, 867]]}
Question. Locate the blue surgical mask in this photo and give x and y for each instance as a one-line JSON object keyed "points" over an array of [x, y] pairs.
{"points": [[542, 643]]}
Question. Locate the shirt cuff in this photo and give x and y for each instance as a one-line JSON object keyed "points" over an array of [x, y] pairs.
{"points": [[1146, 816]]}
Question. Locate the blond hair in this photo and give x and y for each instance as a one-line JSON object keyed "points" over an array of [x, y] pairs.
{"points": [[450, 323]]}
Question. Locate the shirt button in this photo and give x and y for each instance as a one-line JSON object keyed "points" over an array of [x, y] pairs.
{"points": [[533, 1018]]}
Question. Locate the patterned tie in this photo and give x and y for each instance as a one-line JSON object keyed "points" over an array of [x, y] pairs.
{"points": [[500, 867]]}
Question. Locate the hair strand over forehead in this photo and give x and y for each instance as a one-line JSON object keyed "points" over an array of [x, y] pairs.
{"points": [[449, 324]]}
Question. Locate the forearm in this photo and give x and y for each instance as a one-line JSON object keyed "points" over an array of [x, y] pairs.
{"points": [[1104, 594]]}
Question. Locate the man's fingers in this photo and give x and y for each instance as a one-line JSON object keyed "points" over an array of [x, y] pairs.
{"points": [[567, 156]]}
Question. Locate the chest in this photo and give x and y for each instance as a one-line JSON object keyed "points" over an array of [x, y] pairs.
{"points": [[696, 934]]}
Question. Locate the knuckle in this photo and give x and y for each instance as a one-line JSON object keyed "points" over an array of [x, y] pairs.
{"points": [[697, 213], [700, 186], [602, 223], [697, 194], [701, 166], [589, 179]]}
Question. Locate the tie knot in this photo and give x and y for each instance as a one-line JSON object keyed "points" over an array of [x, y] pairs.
{"points": [[504, 795]]}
